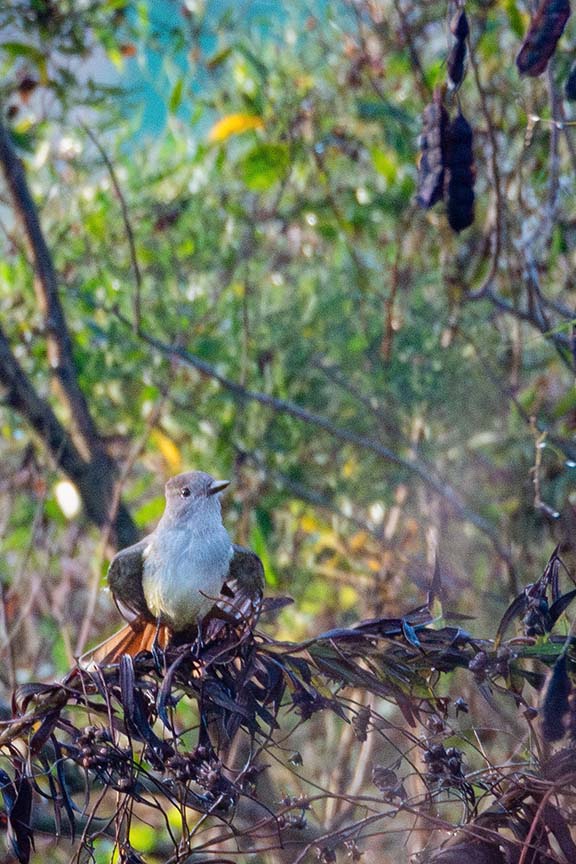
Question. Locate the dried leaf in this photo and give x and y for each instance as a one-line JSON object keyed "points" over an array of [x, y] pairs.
{"points": [[17, 795]]}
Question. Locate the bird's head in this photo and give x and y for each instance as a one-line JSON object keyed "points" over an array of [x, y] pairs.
{"points": [[193, 492]]}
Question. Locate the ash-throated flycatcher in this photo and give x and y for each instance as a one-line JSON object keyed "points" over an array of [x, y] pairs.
{"points": [[172, 579]]}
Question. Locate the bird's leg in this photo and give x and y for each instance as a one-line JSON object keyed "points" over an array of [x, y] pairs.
{"points": [[156, 651]]}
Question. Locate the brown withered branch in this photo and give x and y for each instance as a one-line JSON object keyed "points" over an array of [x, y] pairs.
{"points": [[108, 746]]}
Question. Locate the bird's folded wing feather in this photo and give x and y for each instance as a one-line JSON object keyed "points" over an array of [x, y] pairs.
{"points": [[240, 600], [242, 591], [125, 581]]}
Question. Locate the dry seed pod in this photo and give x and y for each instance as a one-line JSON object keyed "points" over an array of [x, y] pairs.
{"points": [[432, 145], [543, 34], [570, 85], [459, 26], [456, 64], [460, 174]]}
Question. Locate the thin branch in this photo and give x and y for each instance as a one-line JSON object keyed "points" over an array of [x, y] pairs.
{"points": [[560, 341], [127, 226], [499, 205], [422, 84], [283, 406], [335, 374], [311, 496]]}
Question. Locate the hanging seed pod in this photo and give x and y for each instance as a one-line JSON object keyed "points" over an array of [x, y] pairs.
{"points": [[556, 701], [460, 174], [570, 85], [459, 26], [456, 64], [432, 145], [543, 34]]}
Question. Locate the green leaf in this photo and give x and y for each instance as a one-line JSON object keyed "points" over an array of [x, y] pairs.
{"points": [[264, 165], [258, 545], [176, 96], [20, 49], [254, 61], [385, 164], [515, 18], [149, 512], [372, 109]]}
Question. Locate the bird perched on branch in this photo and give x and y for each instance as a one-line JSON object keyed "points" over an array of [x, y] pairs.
{"points": [[185, 572]]}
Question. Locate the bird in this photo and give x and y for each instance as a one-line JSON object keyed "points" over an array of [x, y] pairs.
{"points": [[186, 572]]}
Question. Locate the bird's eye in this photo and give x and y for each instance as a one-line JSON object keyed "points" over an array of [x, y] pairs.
{"points": [[185, 492]]}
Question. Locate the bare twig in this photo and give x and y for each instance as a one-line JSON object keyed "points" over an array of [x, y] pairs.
{"points": [[127, 226], [283, 406], [499, 205], [539, 445]]}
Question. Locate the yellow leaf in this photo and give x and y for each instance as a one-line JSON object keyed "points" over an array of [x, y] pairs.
{"points": [[358, 541], [347, 598], [234, 124], [309, 524], [349, 468], [168, 449]]}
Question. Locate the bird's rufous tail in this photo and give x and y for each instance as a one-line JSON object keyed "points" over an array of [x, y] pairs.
{"points": [[137, 636]]}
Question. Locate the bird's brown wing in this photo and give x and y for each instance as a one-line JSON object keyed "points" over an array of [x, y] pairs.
{"points": [[125, 581], [244, 585], [240, 600]]}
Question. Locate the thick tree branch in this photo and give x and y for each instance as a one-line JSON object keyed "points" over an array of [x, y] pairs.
{"points": [[19, 394], [94, 479], [82, 457], [60, 353]]}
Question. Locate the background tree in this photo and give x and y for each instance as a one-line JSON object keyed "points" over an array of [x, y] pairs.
{"points": [[212, 258]]}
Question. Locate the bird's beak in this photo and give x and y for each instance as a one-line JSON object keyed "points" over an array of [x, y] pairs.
{"points": [[218, 486]]}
